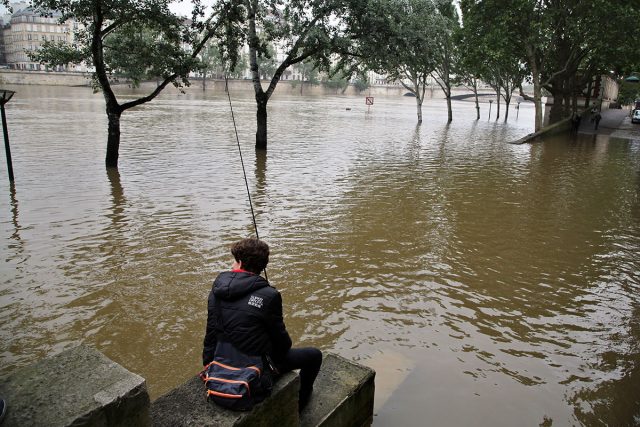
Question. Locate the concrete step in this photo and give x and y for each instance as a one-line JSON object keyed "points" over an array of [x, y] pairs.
{"points": [[80, 386], [187, 405], [342, 395]]}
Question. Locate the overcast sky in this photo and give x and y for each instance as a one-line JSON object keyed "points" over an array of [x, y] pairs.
{"points": [[179, 7], [184, 7]]}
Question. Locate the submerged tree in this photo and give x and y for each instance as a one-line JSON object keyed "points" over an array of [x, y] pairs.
{"points": [[139, 40], [563, 43], [445, 56], [468, 73], [300, 30], [396, 38]]}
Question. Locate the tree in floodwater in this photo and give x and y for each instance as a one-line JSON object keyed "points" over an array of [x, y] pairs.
{"points": [[491, 55], [468, 73], [396, 38], [563, 43], [445, 51], [140, 40], [300, 30]]}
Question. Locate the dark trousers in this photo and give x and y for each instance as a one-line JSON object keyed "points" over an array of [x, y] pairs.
{"points": [[308, 360]]}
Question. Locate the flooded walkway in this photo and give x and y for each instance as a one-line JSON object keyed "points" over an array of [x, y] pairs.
{"points": [[615, 122]]}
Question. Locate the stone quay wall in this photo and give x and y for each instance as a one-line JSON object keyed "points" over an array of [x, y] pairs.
{"points": [[285, 87]]}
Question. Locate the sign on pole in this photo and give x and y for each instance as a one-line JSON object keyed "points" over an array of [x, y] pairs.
{"points": [[369, 100]]}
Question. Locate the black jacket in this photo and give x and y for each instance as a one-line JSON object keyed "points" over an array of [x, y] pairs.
{"points": [[251, 316]]}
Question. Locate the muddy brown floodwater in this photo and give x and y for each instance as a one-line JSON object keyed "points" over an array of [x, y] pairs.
{"points": [[488, 284]]}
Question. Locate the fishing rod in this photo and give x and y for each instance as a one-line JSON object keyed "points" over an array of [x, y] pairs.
{"points": [[244, 172]]}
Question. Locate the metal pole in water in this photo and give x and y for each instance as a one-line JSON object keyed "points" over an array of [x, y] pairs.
{"points": [[5, 96]]}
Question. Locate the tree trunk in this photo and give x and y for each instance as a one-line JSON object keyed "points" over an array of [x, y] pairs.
{"points": [[556, 113], [537, 86], [113, 139], [506, 110], [449, 111], [587, 99], [419, 109], [477, 105], [498, 105], [261, 133], [566, 102], [537, 100], [204, 82]]}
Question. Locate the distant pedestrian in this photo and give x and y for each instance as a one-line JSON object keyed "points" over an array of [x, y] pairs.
{"points": [[575, 123], [597, 119]]}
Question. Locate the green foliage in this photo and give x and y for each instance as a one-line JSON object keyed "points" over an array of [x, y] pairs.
{"points": [[396, 37], [267, 61], [361, 82], [212, 63], [59, 53], [558, 40], [338, 82], [308, 71], [488, 51], [138, 40], [307, 31], [628, 92], [145, 53]]}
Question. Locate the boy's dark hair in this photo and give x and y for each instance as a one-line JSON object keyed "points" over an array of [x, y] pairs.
{"points": [[253, 253]]}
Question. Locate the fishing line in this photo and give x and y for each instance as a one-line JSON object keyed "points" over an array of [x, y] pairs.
{"points": [[244, 173]]}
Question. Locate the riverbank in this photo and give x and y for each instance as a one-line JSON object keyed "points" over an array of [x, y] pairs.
{"points": [[285, 87]]}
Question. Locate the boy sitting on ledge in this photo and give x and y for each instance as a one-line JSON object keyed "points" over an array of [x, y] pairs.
{"points": [[251, 310]]}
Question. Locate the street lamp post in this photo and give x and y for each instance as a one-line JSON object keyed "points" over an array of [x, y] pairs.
{"points": [[518, 109], [5, 96], [490, 104]]}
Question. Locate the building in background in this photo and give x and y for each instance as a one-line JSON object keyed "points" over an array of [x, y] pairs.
{"points": [[27, 31]]}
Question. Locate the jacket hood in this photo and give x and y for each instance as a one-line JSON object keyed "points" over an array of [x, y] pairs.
{"points": [[232, 285]]}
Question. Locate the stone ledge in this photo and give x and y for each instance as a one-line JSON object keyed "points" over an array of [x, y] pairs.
{"points": [[77, 387], [187, 405], [82, 387], [342, 395]]}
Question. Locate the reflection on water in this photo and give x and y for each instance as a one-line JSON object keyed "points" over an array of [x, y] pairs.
{"points": [[490, 284]]}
